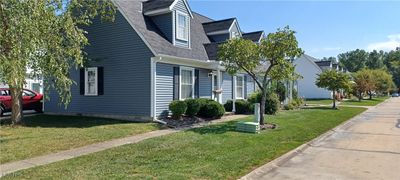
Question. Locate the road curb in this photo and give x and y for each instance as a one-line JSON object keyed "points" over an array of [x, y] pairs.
{"points": [[272, 165]]}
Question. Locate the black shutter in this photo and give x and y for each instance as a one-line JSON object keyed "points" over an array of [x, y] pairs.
{"points": [[82, 81], [176, 83], [245, 87], [196, 83], [100, 80]]}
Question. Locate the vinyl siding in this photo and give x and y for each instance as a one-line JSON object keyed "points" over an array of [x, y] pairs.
{"points": [[250, 85], [226, 87], [234, 29], [126, 61], [164, 86], [180, 6], [164, 23]]}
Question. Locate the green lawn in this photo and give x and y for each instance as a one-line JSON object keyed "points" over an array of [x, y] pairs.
{"points": [[319, 101], [212, 152], [44, 134], [365, 102]]}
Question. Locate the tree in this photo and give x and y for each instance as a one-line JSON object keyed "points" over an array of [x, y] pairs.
{"points": [[333, 81], [364, 82], [383, 81], [270, 60], [331, 59], [47, 37], [354, 60], [375, 60], [392, 62]]}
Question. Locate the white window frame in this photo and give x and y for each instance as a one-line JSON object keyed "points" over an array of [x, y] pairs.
{"points": [[236, 91], [87, 83], [214, 75], [184, 38], [183, 68]]}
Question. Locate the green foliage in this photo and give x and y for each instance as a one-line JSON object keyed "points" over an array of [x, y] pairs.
{"points": [[271, 59], [354, 60], [228, 106], [242, 106], [281, 91], [47, 37], [364, 82], [271, 103], [193, 107], [177, 108], [210, 109], [333, 81]]}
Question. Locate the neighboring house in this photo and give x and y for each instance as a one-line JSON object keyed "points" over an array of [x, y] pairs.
{"points": [[309, 68], [30, 83], [153, 53]]}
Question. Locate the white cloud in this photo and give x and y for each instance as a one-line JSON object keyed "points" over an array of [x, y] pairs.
{"points": [[391, 44]]}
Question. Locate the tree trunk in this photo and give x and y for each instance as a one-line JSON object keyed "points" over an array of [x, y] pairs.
{"points": [[16, 112], [334, 100], [370, 95], [360, 97], [262, 105]]}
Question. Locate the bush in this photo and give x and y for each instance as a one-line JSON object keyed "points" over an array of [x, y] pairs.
{"points": [[210, 108], [177, 108], [242, 106], [193, 107], [289, 106], [271, 103], [228, 106]]}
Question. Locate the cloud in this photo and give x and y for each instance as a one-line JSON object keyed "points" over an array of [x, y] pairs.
{"points": [[391, 44]]}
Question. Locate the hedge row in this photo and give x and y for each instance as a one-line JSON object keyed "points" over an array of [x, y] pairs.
{"points": [[206, 108]]}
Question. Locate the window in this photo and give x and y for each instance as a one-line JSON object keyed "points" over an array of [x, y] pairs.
{"points": [[182, 26], [239, 87], [91, 81], [28, 93], [187, 83]]}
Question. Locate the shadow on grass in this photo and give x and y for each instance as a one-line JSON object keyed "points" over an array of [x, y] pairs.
{"points": [[216, 129], [320, 108], [53, 121]]}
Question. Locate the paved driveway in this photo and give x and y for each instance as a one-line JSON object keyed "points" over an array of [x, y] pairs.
{"points": [[366, 148]]}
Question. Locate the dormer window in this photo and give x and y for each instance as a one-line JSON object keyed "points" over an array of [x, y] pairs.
{"points": [[182, 26]]}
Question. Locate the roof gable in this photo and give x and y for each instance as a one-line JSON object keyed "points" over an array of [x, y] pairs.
{"points": [[254, 36], [215, 27], [156, 7]]}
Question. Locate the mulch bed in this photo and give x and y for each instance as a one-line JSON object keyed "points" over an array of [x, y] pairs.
{"points": [[185, 121]]}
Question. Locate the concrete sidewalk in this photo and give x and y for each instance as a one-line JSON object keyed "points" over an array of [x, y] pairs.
{"points": [[366, 147], [72, 153]]}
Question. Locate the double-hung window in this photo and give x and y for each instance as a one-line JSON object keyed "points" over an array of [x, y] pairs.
{"points": [[239, 87], [187, 83], [182, 26], [91, 79]]}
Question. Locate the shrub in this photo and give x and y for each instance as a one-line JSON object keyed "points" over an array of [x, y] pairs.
{"points": [[242, 106], [210, 108], [193, 107], [271, 103], [228, 106], [289, 106], [177, 108]]}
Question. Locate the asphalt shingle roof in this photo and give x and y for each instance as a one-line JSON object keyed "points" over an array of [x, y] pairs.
{"points": [[218, 25], [156, 4], [149, 31], [323, 63], [253, 36]]}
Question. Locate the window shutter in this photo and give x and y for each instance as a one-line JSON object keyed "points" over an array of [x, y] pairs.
{"points": [[176, 83], [100, 80], [196, 83], [82, 81], [245, 86]]}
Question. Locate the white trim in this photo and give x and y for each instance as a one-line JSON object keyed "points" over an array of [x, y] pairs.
{"points": [[236, 93], [187, 28], [173, 29], [133, 26], [213, 84], [153, 87], [180, 80], [206, 64], [96, 81], [186, 4], [261, 37]]}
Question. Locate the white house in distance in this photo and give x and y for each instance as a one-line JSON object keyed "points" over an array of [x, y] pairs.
{"points": [[307, 67], [30, 83]]}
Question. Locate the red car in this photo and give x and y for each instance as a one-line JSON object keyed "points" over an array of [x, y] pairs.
{"points": [[31, 100]]}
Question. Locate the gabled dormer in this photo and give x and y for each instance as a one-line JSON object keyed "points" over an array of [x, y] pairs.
{"points": [[256, 36], [173, 19], [222, 30]]}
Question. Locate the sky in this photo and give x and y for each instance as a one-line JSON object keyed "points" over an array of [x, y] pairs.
{"points": [[324, 28]]}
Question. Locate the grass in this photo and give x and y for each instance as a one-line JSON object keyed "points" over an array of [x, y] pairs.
{"points": [[319, 101], [43, 134], [212, 152], [365, 102]]}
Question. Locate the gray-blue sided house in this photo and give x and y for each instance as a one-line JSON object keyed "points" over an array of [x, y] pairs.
{"points": [[155, 51]]}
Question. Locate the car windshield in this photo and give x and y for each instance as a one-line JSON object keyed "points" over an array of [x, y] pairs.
{"points": [[28, 93]]}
